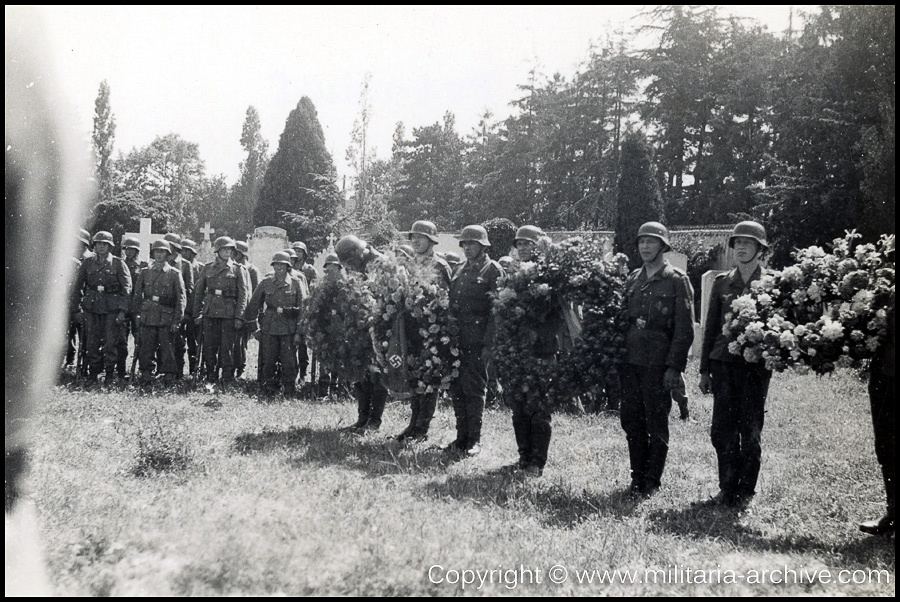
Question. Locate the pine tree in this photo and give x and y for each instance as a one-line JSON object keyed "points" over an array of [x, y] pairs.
{"points": [[638, 199], [299, 185], [245, 194]]}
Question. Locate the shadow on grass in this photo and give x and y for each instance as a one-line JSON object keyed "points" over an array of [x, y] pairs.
{"points": [[375, 457], [724, 523], [555, 505]]}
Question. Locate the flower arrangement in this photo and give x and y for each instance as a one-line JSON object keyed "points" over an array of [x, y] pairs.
{"points": [[825, 310], [571, 293], [336, 321], [401, 285]]}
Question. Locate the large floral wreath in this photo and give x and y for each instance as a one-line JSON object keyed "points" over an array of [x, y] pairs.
{"points": [[336, 321], [571, 285], [825, 310], [399, 285]]}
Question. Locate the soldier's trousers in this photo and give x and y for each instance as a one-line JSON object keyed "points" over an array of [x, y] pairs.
{"points": [[371, 396], [75, 334], [156, 342], [191, 334], [240, 349], [531, 425], [101, 337], [884, 412], [739, 408], [277, 348], [302, 359], [468, 392], [218, 347], [422, 407], [644, 413]]}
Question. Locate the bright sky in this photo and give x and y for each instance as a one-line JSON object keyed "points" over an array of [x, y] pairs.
{"points": [[194, 71]]}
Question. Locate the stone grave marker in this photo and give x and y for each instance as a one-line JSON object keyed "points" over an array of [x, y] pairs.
{"points": [[205, 252], [265, 242]]}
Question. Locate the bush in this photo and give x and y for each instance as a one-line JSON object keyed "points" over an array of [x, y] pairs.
{"points": [[502, 234]]}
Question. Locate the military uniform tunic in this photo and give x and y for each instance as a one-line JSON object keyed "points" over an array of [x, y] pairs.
{"points": [[660, 333]]}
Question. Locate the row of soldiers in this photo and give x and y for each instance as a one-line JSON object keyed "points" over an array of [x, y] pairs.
{"points": [[659, 305], [171, 307]]}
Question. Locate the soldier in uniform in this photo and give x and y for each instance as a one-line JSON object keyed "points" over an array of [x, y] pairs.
{"points": [[187, 275], [241, 257], [105, 283], [423, 238], [531, 420], [470, 305], [333, 266], [159, 304], [189, 328], [371, 394], [660, 312], [279, 297], [76, 318], [131, 247], [219, 303], [309, 273], [739, 387]]}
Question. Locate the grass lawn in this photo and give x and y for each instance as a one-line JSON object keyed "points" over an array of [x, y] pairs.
{"points": [[210, 493]]}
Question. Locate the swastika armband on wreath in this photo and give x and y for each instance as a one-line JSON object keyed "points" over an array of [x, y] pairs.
{"points": [[395, 361]]}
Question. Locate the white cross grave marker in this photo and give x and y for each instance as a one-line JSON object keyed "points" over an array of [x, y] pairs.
{"points": [[331, 241], [206, 231]]}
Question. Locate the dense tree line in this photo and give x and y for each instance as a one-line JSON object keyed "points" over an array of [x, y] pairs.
{"points": [[728, 119]]}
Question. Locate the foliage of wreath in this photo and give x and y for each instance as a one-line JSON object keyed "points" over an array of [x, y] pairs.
{"points": [[336, 321], [824, 311], [572, 276], [397, 284]]}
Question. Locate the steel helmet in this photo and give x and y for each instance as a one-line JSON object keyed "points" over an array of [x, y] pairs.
{"points": [[452, 258], [223, 242], [187, 243], [474, 233], [530, 233], [332, 259], [749, 229], [282, 257], [242, 247], [300, 246], [84, 236], [425, 228], [348, 246], [174, 241], [103, 236], [505, 262], [131, 242], [407, 250], [161, 244], [656, 230], [291, 253]]}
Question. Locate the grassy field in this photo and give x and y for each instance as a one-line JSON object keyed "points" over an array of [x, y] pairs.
{"points": [[210, 493]]}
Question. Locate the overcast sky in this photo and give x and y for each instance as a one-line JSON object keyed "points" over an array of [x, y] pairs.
{"points": [[194, 71]]}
